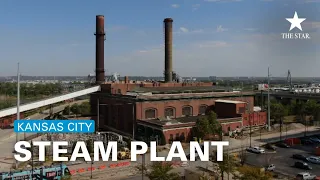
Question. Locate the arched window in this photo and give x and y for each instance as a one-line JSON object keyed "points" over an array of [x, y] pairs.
{"points": [[182, 137], [187, 111], [170, 112], [150, 114], [202, 109]]}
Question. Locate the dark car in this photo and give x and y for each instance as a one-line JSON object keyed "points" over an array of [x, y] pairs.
{"points": [[299, 156], [306, 142], [302, 165], [270, 147], [282, 145]]}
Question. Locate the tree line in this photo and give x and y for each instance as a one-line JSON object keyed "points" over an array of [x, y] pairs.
{"points": [[78, 109], [229, 165], [300, 109], [30, 90]]}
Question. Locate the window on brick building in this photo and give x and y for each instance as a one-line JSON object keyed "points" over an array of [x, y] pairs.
{"points": [[182, 137], [169, 112], [177, 137], [150, 113], [119, 91], [203, 109], [171, 138], [229, 128], [187, 111]]}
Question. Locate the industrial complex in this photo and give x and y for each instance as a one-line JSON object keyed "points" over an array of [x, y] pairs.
{"points": [[168, 109]]}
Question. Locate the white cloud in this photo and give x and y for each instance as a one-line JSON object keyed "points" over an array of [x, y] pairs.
{"points": [[175, 5], [195, 7], [221, 29], [183, 29]]}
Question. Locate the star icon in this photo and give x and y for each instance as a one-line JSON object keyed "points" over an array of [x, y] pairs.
{"points": [[295, 21]]}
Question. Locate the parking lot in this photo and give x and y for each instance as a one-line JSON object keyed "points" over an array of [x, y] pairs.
{"points": [[282, 159]]}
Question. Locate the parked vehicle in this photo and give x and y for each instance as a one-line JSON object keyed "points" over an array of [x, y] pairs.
{"points": [[271, 167], [305, 176], [306, 142], [313, 159], [270, 147], [299, 156], [282, 145], [256, 150], [302, 165], [315, 139]]}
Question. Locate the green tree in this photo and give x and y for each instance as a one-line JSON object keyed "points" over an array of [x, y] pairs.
{"points": [[85, 108], [250, 173], [75, 109], [161, 171], [214, 125], [66, 110], [277, 112], [202, 127], [228, 165], [300, 110]]}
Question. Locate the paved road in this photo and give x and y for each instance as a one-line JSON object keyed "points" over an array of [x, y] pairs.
{"points": [[283, 161]]}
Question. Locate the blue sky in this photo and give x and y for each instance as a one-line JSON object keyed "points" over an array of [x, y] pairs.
{"points": [[211, 37]]}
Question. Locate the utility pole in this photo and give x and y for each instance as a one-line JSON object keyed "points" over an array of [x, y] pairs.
{"points": [[250, 128], [280, 128], [91, 157], [157, 143], [32, 159], [98, 115], [18, 103], [143, 165], [269, 125]]}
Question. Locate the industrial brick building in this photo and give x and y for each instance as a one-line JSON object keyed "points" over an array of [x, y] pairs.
{"points": [[165, 110], [171, 112]]}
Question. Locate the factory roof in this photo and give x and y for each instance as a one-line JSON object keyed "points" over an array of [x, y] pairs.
{"points": [[176, 96], [180, 89], [188, 120], [229, 101]]}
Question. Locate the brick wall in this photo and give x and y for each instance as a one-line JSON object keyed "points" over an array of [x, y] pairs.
{"points": [[256, 118], [178, 131]]}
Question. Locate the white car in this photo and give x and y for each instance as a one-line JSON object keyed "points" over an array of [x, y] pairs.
{"points": [[271, 167], [313, 159], [256, 150], [305, 176]]}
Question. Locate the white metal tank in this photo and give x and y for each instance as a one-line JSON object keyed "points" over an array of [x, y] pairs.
{"points": [[317, 90]]}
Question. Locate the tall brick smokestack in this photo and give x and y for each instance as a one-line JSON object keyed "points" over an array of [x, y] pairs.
{"points": [[168, 49], [100, 37]]}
